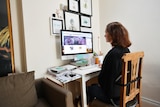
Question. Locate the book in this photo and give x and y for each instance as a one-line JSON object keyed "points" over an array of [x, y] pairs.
{"points": [[55, 73], [68, 76], [57, 69], [63, 77]]}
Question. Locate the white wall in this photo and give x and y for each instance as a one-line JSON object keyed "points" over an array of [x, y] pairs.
{"points": [[42, 49], [18, 35], [142, 19], [35, 49]]}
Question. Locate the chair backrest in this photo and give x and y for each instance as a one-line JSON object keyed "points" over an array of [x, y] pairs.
{"points": [[131, 78]]}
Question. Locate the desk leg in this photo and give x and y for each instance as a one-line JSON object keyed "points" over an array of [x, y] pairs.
{"points": [[83, 92]]}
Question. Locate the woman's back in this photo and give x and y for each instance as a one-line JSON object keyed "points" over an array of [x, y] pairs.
{"points": [[111, 69]]}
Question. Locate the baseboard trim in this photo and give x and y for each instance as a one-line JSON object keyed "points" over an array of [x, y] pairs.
{"points": [[154, 102]]}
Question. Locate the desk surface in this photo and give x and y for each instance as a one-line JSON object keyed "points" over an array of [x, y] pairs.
{"points": [[79, 73], [86, 71]]}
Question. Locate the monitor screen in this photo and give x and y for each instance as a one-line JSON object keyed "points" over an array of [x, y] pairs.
{"points": [[76, 42]]}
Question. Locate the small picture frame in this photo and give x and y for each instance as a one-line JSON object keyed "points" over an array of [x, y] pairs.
{"points": [[56, 26], [86, 7], [85, 21], [73, 5], [71, 21]]}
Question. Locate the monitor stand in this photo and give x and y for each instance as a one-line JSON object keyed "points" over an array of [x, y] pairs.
{"points": [[81, 62]]}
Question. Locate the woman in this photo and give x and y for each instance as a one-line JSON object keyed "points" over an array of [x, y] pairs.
{"points": [[106, 90]]}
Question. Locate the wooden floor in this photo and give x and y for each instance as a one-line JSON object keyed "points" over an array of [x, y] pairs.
{"points": [[146, 104], [150, 84], [151, 87]]}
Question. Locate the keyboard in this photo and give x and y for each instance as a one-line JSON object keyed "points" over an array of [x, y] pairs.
{"points": [[87, 67]]}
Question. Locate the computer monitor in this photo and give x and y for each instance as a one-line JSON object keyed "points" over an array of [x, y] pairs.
{"points": [[75, 42]]}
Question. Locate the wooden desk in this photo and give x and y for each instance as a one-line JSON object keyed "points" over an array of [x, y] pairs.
{"points": [[86, 74]]}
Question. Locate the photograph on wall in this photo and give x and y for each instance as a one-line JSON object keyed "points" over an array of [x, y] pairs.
{"points": [[85, 21], [71, 21], [56, 26], [73, 5], [86, 7]]}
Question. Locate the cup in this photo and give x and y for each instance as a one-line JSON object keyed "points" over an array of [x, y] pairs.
{"points": [[98, 59]]}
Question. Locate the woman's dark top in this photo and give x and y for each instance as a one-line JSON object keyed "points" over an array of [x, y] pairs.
{"points": [[111, 70]]}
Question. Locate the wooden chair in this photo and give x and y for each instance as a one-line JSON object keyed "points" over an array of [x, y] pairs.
{"points": [[130, 81]]}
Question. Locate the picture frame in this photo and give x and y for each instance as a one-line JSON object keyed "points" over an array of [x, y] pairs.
{"points": [[73, 5], [71, 21], [85, 7], [56, 26], [7, 62], [85, 21]]}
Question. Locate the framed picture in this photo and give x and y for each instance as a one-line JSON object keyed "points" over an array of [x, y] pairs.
{"points": [[56, 26], [86, 7], [73, 5], [71, 21], [7, 64], [85, 21]]}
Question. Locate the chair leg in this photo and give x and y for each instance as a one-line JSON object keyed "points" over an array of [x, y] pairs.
{"points": [[139, 100]]}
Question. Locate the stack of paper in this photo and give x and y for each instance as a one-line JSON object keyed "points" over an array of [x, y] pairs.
{"points": [[68, 76], [63, 78]]}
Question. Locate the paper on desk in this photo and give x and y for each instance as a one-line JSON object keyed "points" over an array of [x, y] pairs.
{"points": [[67, 78], [52, 78]]}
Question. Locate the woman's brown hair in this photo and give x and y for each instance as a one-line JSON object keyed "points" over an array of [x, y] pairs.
{"points": [[119, 34]]}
